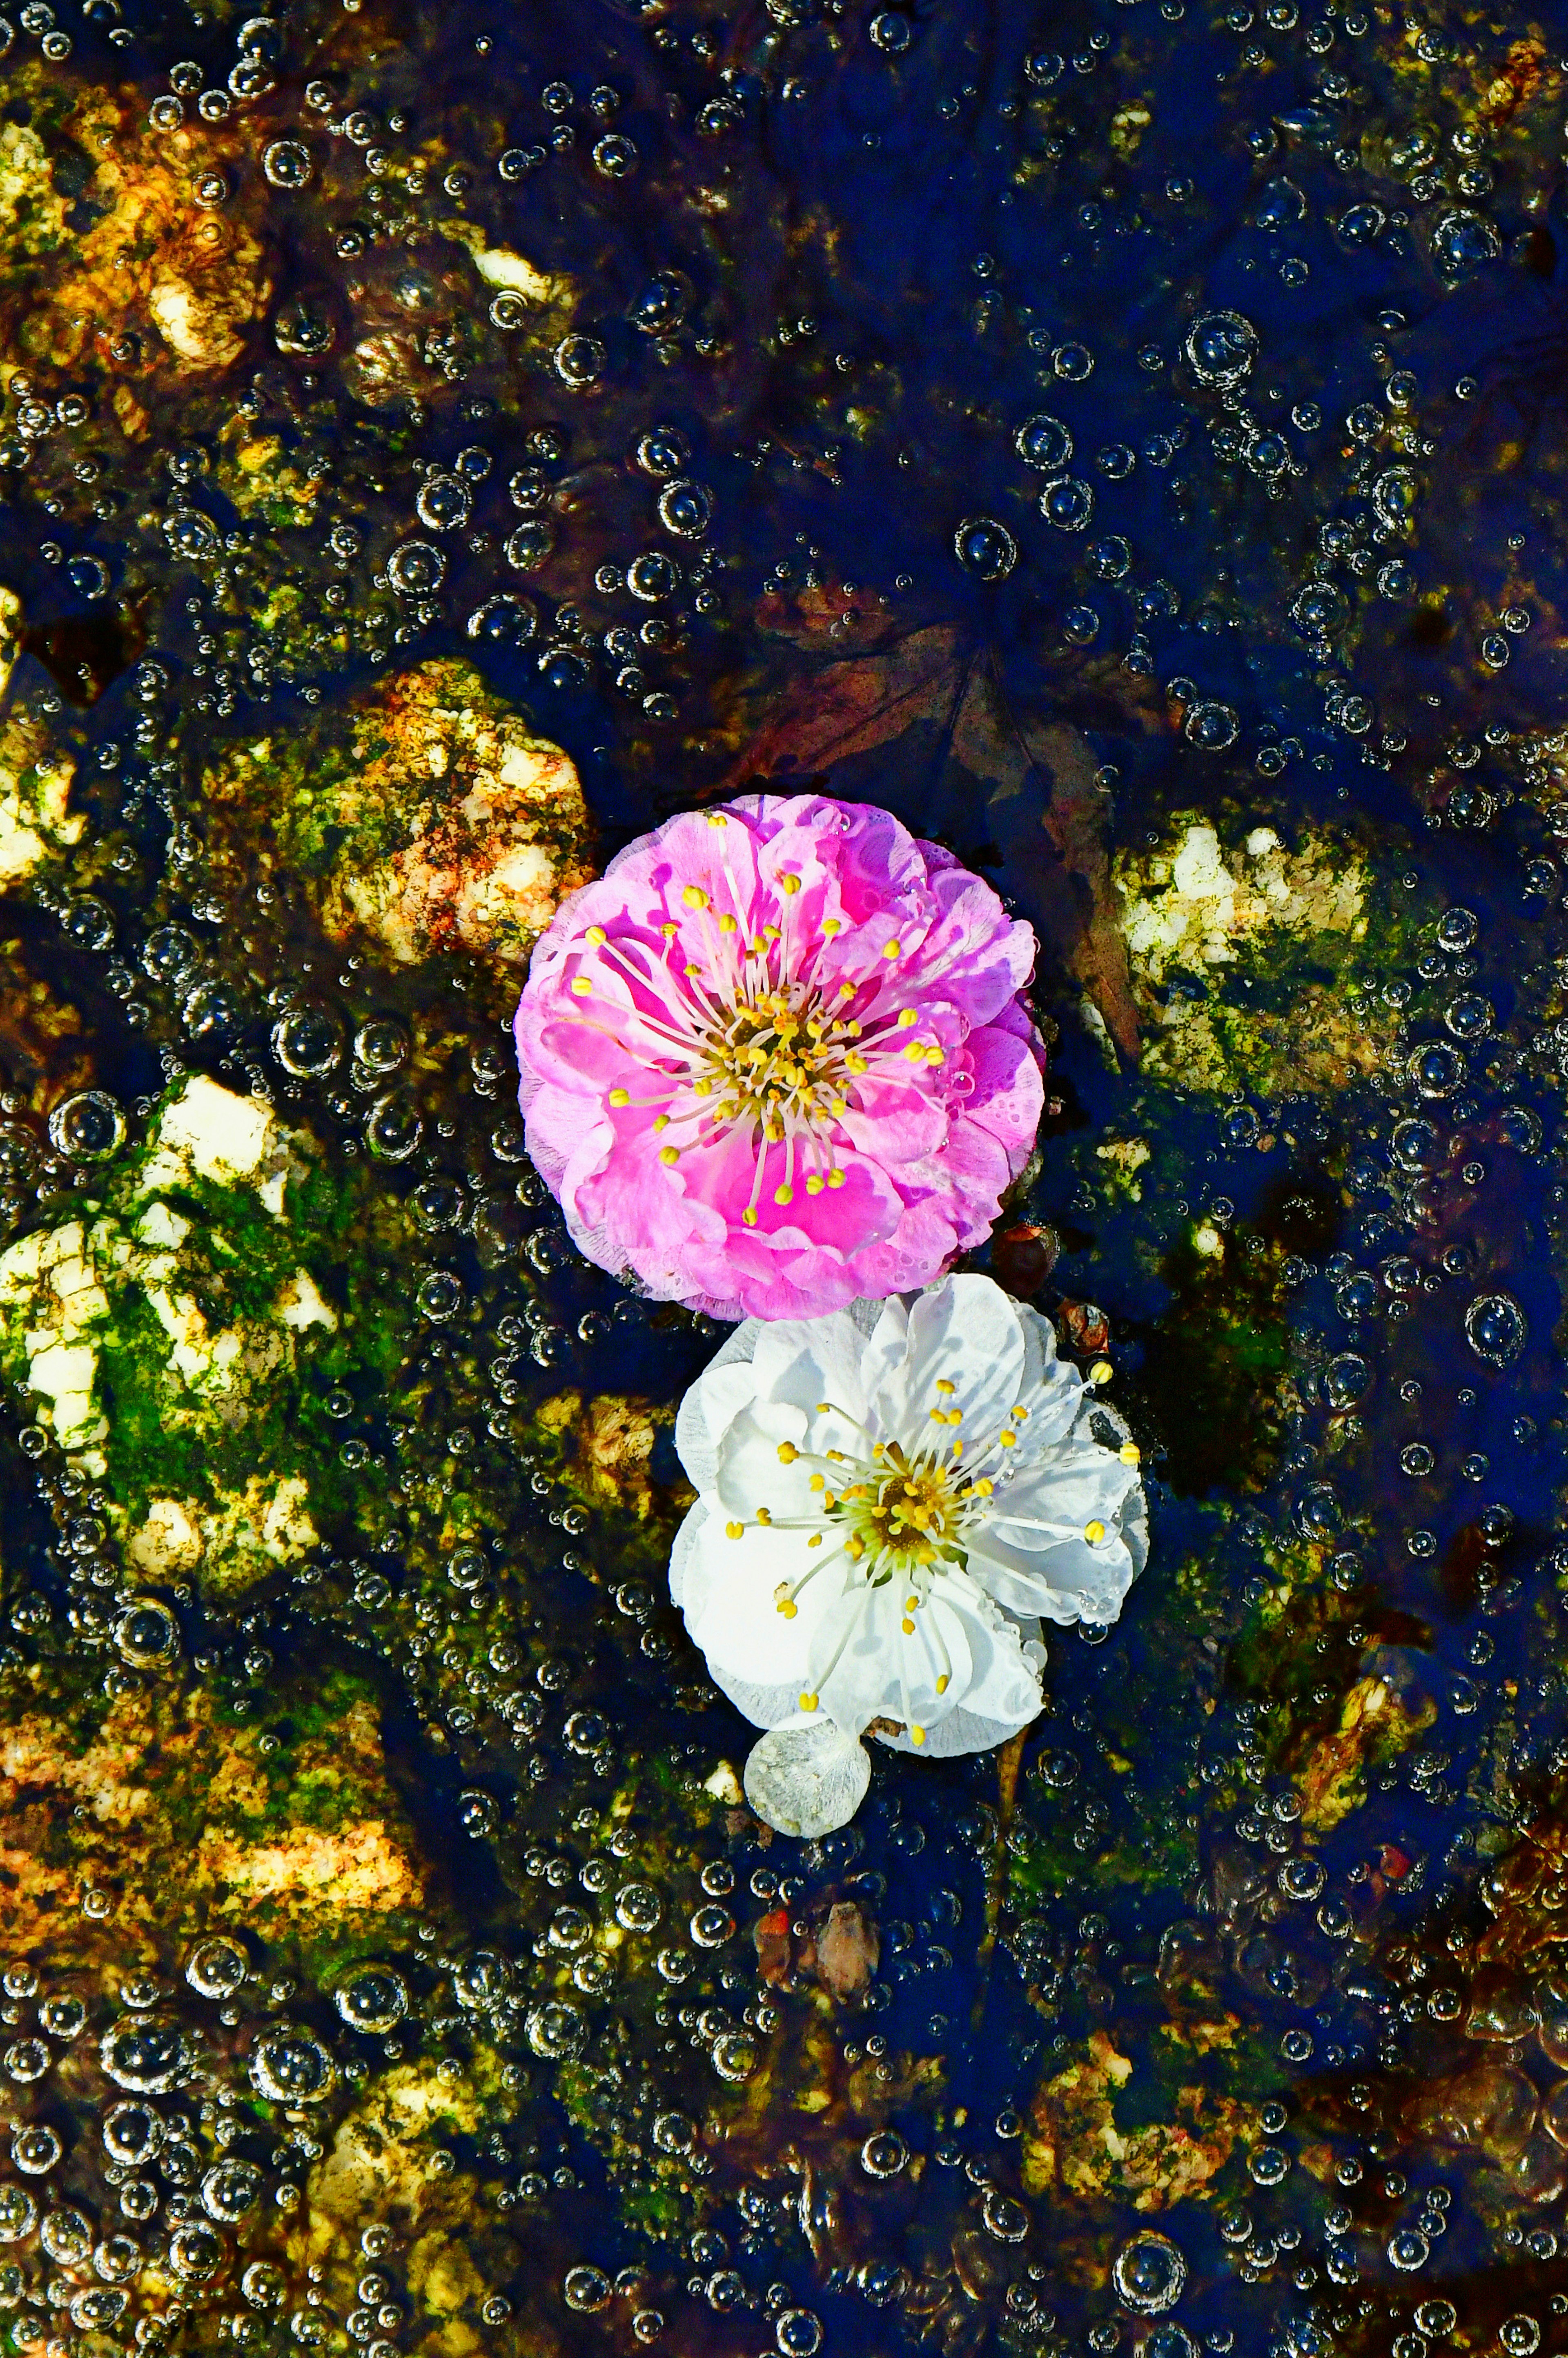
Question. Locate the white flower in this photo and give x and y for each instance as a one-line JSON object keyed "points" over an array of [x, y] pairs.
{"points": [[889, 1502]]}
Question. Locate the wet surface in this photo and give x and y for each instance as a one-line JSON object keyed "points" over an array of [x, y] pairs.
{"points": [[1129, 444]]}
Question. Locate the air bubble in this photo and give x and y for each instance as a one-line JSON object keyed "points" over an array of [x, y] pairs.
{"points": [[1150, 2272]]}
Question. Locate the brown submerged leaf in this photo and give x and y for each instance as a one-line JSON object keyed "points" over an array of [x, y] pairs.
{"points": [[1035, 780]]}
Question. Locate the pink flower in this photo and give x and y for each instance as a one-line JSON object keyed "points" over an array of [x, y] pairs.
{"points": [[777, 1058]]}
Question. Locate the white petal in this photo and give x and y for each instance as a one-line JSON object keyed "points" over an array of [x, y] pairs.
{"points": [[720, 1393], [1000, 1695], [751, 1474], [882, 1360], [1070, 1582], [680, 1553], [806, 1780], [730, 1607], [805, 1360], [964, 1332], [1053, 1388]]}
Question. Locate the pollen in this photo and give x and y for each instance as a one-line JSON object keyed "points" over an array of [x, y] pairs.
{"points": [[835, 1178], [916, 1735], [598, 936], [907, 1018], [788, 1452], [789, 883], [734, 1530], [729, 924], [669, 1154], [891, 950], [784, 1194], [1093, 1532], [814, 1184], [1101, 1372], [749, 1216], [694, 897], [716, 819], [808, 1701], [1129, 1453], [619, 1097], [907, 1626], [1008, 1440], [944, 1682], [581, 987], [944, 1386], [789, 1608]]}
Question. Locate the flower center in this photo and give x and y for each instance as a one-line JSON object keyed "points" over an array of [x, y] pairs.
{"points": [[908, 1518], [737, 1033]]}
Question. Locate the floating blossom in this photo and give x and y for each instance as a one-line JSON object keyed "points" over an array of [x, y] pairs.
{"points": [[890, 1501], [776, 1058]]}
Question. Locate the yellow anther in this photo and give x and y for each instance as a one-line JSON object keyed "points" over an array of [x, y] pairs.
{"points": [[907, 1626], [660, 1122], [789, 883], [1101, 1372], [835, 1178], [716, 819], [831, 926], [856, 1062], [918, 1735], [750, 1218], [814, 1184], [695, 897], [764, 1515], [809, 1703], [911, 1604], [597, 935], [944, 1682], [944, 1386], [690, 968], [771, 933], [815, 1540], [914, 1052], [820, 1481], [848, 990], [1129, 1453], [1021, 1413], [581, 987], [669, 932], [702, 1088], [669, 1154], [728, 925], [935, 1056], [891, 950], [784, 1194], [1093, 1532], [984, 1487], [787, 1608], [788, 1452], [619, 1097], [759, 945], [907, 1018], [734, 1530], [1007, 1439]]}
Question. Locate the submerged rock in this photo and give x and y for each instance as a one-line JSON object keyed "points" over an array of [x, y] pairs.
{"points": [[175, 1338], [1238, 956], [440, 823]]}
